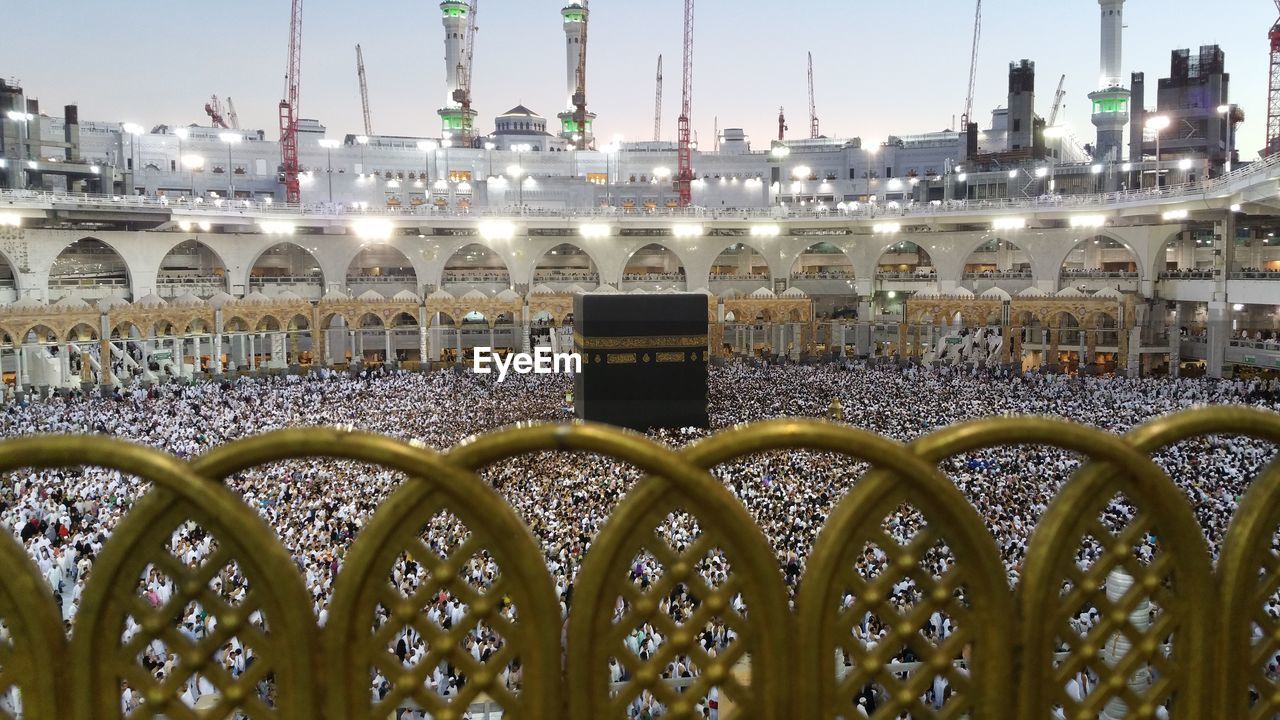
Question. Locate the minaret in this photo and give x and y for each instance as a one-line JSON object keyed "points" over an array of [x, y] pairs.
{"points": [[456, 15], [575, 21], [1111, 101]]}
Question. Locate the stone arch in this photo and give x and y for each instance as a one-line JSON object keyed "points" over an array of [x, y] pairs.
{"points": [[299, 322], [77, 333], [476, 261], [9, 277], [198, 326], [381, 263], [235, 324], [37, 334], [728, 264], [102, 263], [404, 320], [903, 256], [442, 319], [823, 259], [997, 255], [1099, 249], [286, 260], [126, 329], [370, 320], [268, 323], [563, 263], [191, 266], [635, 270]]}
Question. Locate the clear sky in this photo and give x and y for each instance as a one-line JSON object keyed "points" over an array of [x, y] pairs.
{"points": [[880, 67]]}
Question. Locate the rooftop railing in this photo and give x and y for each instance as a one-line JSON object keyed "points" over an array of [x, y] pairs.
{"points": [[200, 208]]}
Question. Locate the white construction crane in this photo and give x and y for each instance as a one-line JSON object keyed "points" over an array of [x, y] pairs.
{"points": [[973, 65], [1057, 101], [657, 105], [364, 91], [813, 107], [232, 118]]}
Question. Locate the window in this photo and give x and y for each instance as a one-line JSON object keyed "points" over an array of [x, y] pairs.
{"points": [[1017, 124]]}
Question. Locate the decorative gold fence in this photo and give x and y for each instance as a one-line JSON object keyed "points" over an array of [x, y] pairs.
{"points": [[1011, 654]]}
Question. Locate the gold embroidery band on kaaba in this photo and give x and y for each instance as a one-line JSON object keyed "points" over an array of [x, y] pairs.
{"points": [[621, 358], [671, 357], [639, 342]]}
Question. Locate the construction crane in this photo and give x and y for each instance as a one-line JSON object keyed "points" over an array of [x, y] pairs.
{"points": [[232, 117], [462, 95], [1273, 91], [782, 124], [580, 94], [657, 105], [813, 107], [289, 108], [213, 109], [684, 153], [364, 91], [1058, 95], [973, 65]]}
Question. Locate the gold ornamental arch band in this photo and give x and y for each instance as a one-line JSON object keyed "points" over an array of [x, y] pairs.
{"points": [[1011, 653]]}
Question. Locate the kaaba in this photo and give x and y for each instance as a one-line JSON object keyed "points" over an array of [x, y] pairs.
{"points": [[644, 360]]}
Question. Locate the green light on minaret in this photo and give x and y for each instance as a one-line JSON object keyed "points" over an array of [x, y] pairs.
{"points": [[1110, 105]]}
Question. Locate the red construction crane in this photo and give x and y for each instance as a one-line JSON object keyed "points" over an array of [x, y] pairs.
{"points": [[1273, 95], [213, 109], [580, 94], [813, 107], [782, 124], [684, 176], [364, 91], [289, 109], [657, 105]]}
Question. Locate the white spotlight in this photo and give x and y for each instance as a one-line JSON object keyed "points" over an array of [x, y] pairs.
{"points": [[497, 230], [372, 229]]}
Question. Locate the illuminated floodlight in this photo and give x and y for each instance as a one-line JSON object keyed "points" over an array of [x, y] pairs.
{"points": [[205, 225], [328, 143], [427, 145], [192, 162], [687, 231], [372, 229], [515, 171], [10, 220], [895, 184], [277, 227], [1041, 172], [662, 173], [497, 230], [1009, 223], [1013, 174], [962, 177], [1175, 215], [362, 139], [765, 231], [595, 230], [1096, 169], [1235, 207], [1184, 164], [1127, 167], [184, 225], [1088, 221], [131, 128], [1157, 122], [885, 228], [801, 172], [182, 133]]}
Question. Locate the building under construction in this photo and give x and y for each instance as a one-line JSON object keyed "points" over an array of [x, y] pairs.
{"points": [[515, 159]]}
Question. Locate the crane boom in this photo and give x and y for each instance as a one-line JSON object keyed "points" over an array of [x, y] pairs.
{"points": [[289, 108], [468, 56], [1058, 95], [813, 107], [1273, 91], [684, 154], [233, 118], [973, 64], [364, 91], [782, 124], [580, 94], [657, 105]]}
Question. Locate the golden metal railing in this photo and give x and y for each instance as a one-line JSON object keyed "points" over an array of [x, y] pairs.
{"points": [[1011, 653]]}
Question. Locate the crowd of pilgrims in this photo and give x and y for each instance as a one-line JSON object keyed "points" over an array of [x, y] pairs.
{"points": [[317, 506]]}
